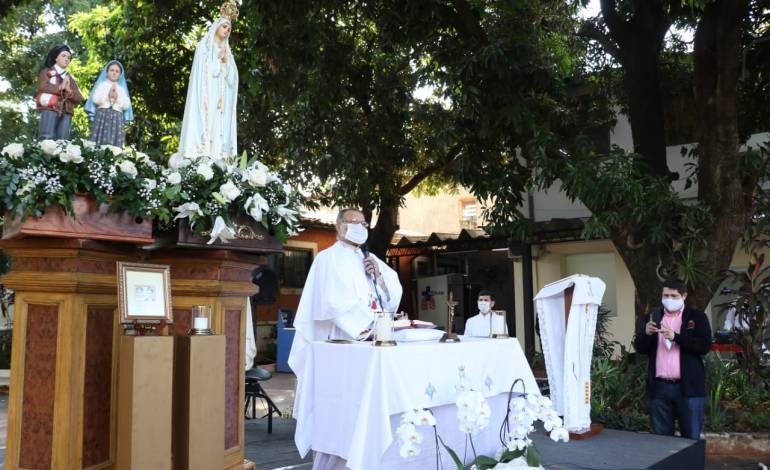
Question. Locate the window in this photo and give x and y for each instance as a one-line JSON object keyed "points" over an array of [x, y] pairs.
{"points": [[295, 264], [469, 214]]}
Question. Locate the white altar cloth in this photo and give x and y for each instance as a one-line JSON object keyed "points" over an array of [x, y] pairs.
{"points": [[360, 392]]}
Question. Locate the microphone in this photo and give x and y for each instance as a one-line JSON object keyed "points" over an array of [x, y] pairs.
{"points": [[365, 252]]}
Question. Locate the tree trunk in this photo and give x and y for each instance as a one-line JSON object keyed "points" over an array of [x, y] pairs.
{"points": [[721, 187], [640, 40], [643, 262], [381, 234]]}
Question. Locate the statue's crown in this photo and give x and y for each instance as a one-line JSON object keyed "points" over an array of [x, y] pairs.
{"points": [[229, 10]]}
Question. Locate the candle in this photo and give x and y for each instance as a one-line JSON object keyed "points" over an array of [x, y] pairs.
{"points": [[200, 323], [384, 328], [498, 322]]}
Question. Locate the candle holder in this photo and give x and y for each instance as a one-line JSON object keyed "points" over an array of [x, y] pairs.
{"points": [[383, 329], [498, 328], [201, 321]]}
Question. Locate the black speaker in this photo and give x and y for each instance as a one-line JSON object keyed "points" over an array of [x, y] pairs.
{"points": [[267, 280]]}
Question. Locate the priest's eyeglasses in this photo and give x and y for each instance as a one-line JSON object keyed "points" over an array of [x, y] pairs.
{"points": [[360, 222]]}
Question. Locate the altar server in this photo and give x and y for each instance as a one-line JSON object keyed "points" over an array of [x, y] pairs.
{"points": [[567, 312], [481, 323], [345, 286]]}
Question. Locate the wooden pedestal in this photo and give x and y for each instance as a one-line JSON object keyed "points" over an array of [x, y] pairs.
{"points": [[144, 402], [199, 402], [62, 412], [222, 280]]}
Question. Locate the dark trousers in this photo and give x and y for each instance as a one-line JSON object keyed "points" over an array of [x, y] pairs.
{"points": [[668, 405], [53, 126]]}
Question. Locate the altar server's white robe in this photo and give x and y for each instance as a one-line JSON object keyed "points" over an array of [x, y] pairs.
{"points": [[568, 345], [336, 303]]}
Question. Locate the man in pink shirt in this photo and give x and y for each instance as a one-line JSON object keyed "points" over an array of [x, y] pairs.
{"points": [[675, 339]]}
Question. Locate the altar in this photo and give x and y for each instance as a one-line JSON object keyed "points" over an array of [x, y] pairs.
{"points": [[360, 392]]}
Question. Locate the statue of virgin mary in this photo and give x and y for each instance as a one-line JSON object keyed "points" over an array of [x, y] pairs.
{"points": [[209, 123]]}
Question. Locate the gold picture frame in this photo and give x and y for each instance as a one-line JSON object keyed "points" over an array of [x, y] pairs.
{"points": [[144, 293]]}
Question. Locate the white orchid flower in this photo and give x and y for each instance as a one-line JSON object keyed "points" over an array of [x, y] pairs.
{"points": [[221, 231], [408, 450], [13, 151], [559, 434], [424, 418]]}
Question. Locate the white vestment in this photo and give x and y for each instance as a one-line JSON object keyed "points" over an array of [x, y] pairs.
{"points": [[251, 341], [209, 123], [568, 345], [336, 303], [479, 325]]}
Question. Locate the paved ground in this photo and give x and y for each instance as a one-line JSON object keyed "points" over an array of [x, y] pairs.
{"points": [[276, 451]]}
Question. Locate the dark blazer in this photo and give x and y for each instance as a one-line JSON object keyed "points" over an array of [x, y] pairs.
{"points": [[694, 342]]}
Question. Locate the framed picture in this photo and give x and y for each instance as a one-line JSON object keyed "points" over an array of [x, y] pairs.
{"points": [[144, 293]]}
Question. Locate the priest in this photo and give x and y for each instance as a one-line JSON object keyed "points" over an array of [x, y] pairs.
{"points": [[345, 286]]}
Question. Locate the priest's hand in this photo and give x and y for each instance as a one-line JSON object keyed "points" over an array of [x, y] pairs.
{"points": [[651, 328], [371, 267]]}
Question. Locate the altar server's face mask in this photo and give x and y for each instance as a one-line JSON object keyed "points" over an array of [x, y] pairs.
{"points": [[356, 233], [484, 306]]}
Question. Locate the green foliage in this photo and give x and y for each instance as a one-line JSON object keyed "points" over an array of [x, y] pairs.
{"points": [[618, 391], [734, 403], [753, 309], [604, 347]]}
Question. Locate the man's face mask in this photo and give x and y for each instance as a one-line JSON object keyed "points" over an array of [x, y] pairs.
{"points": [[356, 233], [673, 305], [483, 306]]}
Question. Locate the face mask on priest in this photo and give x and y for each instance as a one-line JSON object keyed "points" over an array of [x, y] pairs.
{"points": [[484, 306], [356, 233]]}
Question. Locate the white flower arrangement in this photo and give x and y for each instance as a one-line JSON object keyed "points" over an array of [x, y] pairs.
{"points": [[37, 175], [474, 414], [209, 193]]}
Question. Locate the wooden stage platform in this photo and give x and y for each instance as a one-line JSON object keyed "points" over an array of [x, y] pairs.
{"points": [[622, 450]]}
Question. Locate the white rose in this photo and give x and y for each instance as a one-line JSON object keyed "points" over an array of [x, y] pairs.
{"points": [[205, 171], [255, 177], [71, 154], [174, 178], [89, 144], [50, 147], [229, 191], [128, 167], [150, 184], [13, 151], [143, 157]]}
